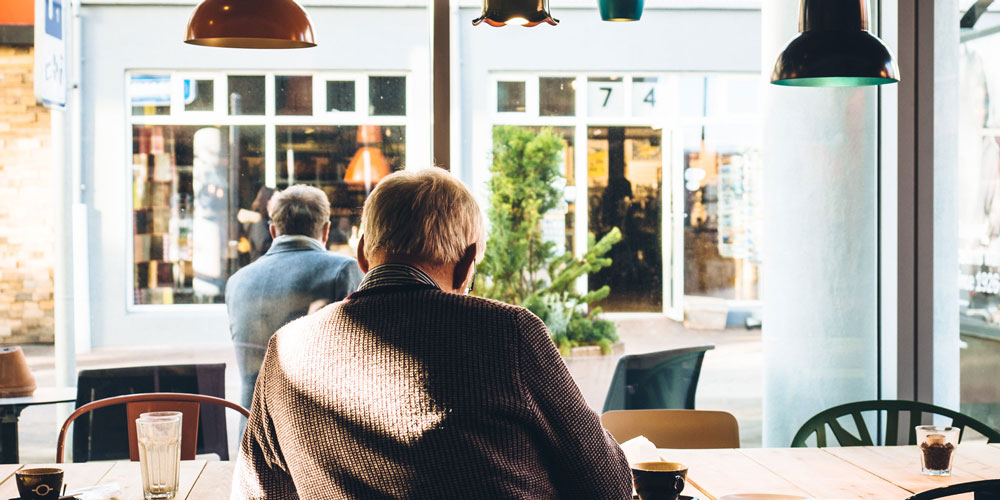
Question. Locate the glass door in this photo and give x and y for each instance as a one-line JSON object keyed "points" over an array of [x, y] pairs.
{"points": [[625, 191]]}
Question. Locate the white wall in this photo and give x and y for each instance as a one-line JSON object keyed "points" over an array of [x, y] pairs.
{"points": [[120, 38]]}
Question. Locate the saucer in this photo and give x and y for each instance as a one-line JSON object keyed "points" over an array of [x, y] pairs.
{"points": [[762, 496]]}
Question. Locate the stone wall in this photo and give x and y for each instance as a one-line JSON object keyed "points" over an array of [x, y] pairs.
{"points": [[26, 215]]}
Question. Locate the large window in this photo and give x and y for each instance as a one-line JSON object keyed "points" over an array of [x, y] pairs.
{"points": [[209, 150]]}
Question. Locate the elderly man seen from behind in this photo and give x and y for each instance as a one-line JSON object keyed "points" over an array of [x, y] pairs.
{"points": [[410, 389]]}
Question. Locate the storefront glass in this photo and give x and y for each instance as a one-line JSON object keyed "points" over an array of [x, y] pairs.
{"points": [[672, 161], [979, 229], [208, 152]]}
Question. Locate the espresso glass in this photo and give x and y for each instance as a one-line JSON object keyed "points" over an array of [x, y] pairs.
{"points": [[937, 448]]}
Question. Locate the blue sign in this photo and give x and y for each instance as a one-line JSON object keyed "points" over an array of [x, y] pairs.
{"points": [[53, 19]]}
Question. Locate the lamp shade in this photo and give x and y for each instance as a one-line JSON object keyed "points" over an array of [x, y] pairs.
{"points": [[834, 49], [620, 10], [250, 24], [369, 134], [523, 12], [16, 379], [367, 167]]}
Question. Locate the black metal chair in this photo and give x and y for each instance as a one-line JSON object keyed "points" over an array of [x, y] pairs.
{"points": [[662, 380], [983, 490], [914, 409], [103, 433]]}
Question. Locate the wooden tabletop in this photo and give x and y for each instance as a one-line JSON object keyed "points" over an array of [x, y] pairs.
{"points": [[884, 473], [200, 480]]}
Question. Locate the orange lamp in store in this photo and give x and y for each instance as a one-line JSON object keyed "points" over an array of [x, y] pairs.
{"points": [[369, 165], [518, 12], [250, 24]]}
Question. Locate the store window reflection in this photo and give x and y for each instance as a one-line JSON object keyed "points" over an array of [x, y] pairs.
{"points": [[722, 182], [979, 229], [185, 204], [624, 180], [345, 162]]}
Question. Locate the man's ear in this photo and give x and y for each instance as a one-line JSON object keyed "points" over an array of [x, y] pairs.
{"points": [[362, 258], [271, 228], [463, 269], [324, 233]]}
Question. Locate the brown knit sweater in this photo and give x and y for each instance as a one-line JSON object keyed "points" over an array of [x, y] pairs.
{"points": [[407, 392]]}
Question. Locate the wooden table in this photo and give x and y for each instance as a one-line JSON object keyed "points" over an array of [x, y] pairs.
{"points": [[200, 480], [883, 473], [10, 413]]}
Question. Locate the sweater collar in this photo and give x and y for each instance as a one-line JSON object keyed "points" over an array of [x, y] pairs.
{"points": [[396, 275]]}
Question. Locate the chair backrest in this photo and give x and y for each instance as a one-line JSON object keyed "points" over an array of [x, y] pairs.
{"points": [[983, 490], [135, 404], [916, 410], [682, 429], [656, 380], [102, 435]]}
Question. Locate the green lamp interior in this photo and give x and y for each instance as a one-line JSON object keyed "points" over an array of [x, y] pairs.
{"points": [[834, 81]]}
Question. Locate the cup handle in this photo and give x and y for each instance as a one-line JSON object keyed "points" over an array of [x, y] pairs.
{"points": [[679, 484]]}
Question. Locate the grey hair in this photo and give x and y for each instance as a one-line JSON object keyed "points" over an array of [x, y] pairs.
{"points": [[424, 214]]}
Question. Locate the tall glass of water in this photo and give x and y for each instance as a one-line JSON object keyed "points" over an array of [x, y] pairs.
{"points": [[159, 436]]}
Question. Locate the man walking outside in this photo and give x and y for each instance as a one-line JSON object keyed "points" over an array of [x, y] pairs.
{"points": [[296, 276]]}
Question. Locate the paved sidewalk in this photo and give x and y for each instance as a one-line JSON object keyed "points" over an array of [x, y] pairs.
{"points": [[731, 377]]}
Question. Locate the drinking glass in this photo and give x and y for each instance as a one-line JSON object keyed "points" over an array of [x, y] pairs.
{"points": [[937, 448], [159, 436]]}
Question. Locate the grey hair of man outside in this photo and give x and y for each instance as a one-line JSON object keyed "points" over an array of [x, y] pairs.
{"points": [[300, 210], [425, 215]]}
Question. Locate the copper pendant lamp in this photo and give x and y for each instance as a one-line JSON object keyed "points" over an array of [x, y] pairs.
{"points": [[835, 49], [369, 165], [250, 24], [523, 12]]}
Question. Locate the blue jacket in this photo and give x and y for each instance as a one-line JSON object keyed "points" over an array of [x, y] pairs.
{"points": [[277, 288]]}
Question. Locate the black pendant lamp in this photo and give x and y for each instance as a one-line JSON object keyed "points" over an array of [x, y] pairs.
{"points": [[834, 49], [523, 12], [250, 24]]}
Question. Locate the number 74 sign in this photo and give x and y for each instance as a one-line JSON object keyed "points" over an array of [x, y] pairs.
{"points": [[607, 98]]}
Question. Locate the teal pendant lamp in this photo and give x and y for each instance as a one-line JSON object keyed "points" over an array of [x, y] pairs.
{"points": [[620, 10], [834, 49]]}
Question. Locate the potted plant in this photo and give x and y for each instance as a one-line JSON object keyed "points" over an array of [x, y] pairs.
{"points": [[522, 268]]}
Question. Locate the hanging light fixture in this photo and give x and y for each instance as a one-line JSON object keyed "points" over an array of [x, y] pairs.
{"points": [[620, 10], [519, 12], [835, 49], [250, 24], [369, 165]]}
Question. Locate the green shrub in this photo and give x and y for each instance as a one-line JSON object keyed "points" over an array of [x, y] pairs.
{"points": [[520, 267]]}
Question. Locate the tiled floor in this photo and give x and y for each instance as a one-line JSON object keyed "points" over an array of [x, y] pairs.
{"points": [[731, 375]]}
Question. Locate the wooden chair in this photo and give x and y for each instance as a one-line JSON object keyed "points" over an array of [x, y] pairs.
{"points": [[656, 380], [681, 429], [829, 418], [982, 490], [136, 404]]}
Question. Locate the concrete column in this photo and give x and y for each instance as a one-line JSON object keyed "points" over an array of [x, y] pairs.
{"points": [[819, 276]]}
